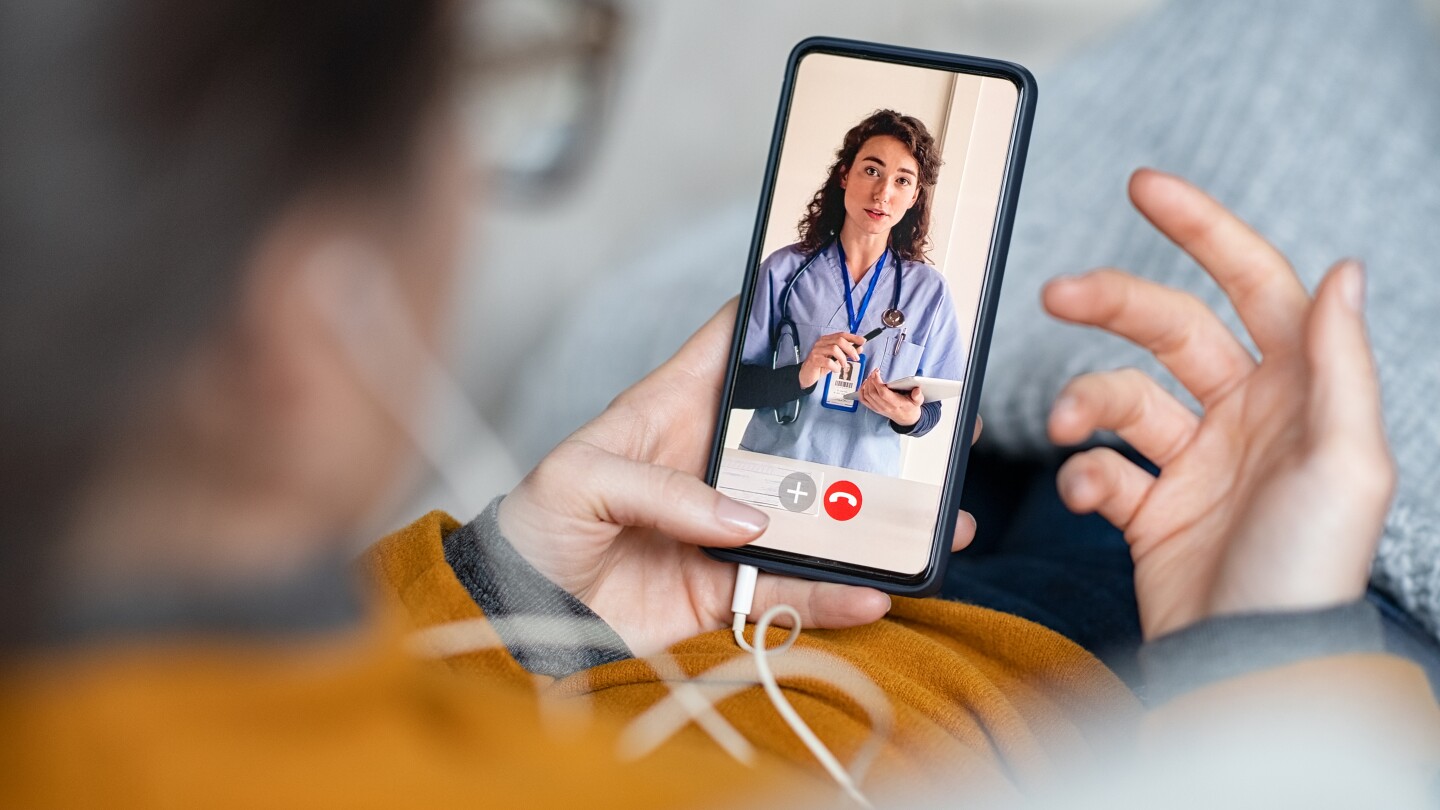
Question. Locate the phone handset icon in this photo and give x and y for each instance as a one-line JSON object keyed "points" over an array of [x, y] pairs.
{"points": [[843, 500]]}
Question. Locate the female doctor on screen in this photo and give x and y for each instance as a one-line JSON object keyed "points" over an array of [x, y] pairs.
{"points": [[817, 386]]}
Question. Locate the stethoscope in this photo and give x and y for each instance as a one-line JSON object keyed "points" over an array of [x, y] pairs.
{"points": [[892, 318]]}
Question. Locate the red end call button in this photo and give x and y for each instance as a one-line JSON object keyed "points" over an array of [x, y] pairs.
{"points": [[842, 500]]}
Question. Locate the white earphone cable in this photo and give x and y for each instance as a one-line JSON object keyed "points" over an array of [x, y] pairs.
{"points": [[741, 604]]}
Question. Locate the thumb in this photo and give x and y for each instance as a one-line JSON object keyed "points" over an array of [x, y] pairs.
{"points": [[633, 493], [1344, 385], [695, 373], [704, 354]]}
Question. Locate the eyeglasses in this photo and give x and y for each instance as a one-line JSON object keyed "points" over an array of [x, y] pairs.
{"points": [[539, 77]]}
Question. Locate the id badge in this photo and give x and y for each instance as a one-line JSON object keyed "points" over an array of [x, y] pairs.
{"points": [[840, 386]]}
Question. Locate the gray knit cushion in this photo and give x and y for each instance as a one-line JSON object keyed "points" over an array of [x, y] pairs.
{"points": [[1319, 122]]}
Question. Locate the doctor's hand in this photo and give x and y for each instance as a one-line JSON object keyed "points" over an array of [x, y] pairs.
{"points": [[616, 514], [900, 407], [829, 354], [1274, 498]]}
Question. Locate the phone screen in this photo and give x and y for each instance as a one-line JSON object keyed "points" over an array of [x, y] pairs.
{"points": [[882, 214]]}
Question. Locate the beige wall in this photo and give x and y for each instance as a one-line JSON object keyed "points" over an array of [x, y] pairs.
{"points": [[962, 225], [969, 116]]}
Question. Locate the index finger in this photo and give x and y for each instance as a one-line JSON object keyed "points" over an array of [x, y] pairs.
{"points": [[1256, 277], [821, 604]]}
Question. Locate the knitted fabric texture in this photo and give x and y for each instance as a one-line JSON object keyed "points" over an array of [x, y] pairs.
{"points": [[1318, 122]]}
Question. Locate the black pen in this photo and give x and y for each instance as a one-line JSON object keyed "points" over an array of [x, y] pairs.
{"points": [[891, 319], [871, 335]]}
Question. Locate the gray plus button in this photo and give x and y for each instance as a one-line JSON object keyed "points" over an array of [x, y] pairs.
{"points": [[797, 492]]}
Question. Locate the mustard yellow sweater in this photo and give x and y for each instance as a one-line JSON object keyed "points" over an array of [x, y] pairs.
{"points": [[980, 699]]}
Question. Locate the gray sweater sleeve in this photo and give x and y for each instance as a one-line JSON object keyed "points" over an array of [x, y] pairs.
{"points": [[1231, 646], [548, 631]]}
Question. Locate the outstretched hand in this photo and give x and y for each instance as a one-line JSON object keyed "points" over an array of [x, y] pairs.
{"points": [[1275, 497], [616, 514]]}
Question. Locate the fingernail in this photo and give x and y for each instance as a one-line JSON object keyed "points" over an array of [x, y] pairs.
{"points": [[739, 516], [1077, 486], [1065, 405], [1352, 284], [966, 517]]}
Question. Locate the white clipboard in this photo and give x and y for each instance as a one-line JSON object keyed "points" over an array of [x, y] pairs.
{"points": [[932, 388]]}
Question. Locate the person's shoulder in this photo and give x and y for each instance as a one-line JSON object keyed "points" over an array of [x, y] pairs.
{"points": [[923, 271], [785, 256]]}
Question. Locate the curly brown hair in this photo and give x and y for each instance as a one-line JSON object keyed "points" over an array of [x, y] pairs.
{"points": [[910, 238]]}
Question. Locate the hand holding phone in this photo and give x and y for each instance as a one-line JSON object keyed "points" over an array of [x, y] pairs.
{"points": [[617, 513]]}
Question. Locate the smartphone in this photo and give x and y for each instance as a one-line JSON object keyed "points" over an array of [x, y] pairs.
{"points": [[877, 255]]}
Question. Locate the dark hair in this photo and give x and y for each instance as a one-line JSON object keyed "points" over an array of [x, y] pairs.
{"points": [[826, 212], [147, 145]]}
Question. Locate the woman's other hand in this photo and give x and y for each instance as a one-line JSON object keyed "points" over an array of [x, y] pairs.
{"points": [[616, 513], [828, 355], [1274, 499], [902, 408]]}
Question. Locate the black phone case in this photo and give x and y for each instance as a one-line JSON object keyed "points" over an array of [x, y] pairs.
{"points": [[927, 582]]}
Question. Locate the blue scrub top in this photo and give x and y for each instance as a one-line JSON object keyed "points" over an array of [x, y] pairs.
{"points": [[933, 347]]}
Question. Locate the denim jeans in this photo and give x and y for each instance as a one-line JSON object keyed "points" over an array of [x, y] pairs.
{"points": [[1071, 573]]}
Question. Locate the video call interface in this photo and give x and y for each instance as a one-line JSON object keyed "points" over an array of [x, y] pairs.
{"points": [[856, 344]]}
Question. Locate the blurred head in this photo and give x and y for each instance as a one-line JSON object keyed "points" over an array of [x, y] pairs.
{"points": [[881, 182], [185, 186]]}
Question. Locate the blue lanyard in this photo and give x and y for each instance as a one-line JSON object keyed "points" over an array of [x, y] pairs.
{"points": [[856, 318]]}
